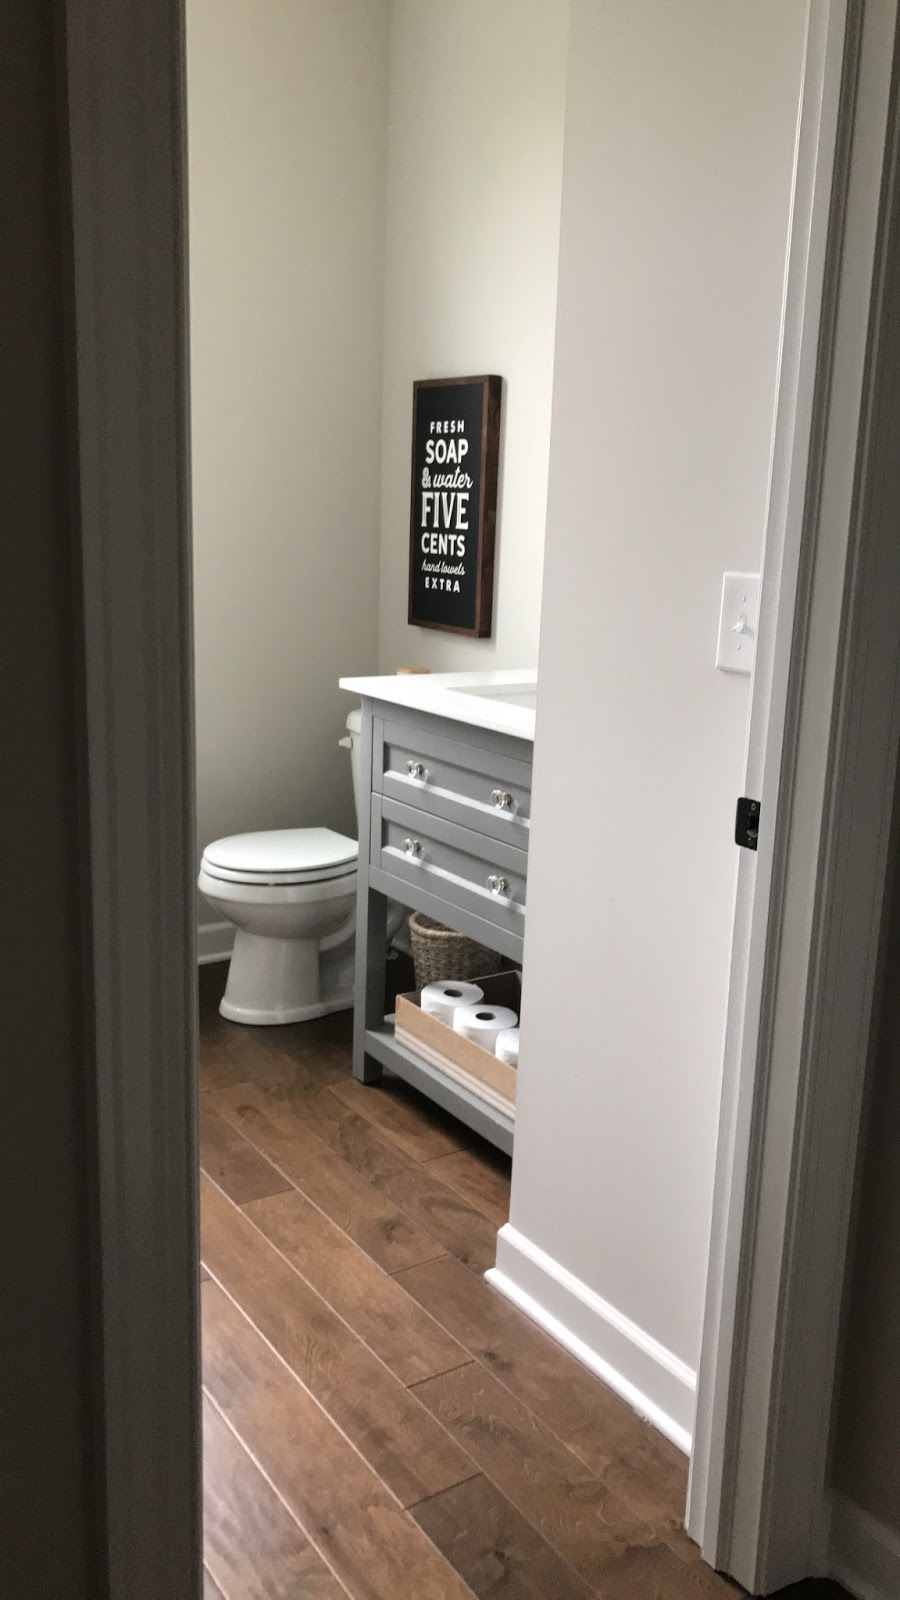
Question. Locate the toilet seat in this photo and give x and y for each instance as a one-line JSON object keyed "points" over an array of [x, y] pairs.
{"points": [[281, 856]]}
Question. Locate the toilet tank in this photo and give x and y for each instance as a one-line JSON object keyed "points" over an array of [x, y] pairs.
{"points": [[354, 730], [396, 914]]}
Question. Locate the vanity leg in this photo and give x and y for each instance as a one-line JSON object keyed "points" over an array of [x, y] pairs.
{"points": [[368, 994], [371, 928]]}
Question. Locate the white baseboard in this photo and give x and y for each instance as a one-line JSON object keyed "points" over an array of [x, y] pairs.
{"points": [[864, 1554], [214, 942], [654, 1382]]}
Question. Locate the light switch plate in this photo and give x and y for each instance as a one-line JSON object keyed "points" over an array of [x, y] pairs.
{"points": [[738, 622]]}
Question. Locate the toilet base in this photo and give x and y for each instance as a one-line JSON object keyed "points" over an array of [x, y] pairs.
{"points": [[275, 981], [267, 1019]]}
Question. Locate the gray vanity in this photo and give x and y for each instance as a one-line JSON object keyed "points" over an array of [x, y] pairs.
{"points": [[444, 830]]}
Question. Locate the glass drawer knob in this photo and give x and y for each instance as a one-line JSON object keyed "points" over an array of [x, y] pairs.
{"points": [[415, 769], [412, 847], [497, 885], [502, 799]]}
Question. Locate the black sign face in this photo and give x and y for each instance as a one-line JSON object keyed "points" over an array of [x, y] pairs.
{"points": [[455, 451]]}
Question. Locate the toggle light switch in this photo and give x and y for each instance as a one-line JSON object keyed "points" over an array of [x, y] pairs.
{"points": [[738, 622]]}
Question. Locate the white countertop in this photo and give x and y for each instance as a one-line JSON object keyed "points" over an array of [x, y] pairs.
{"points": [[461, 696]]}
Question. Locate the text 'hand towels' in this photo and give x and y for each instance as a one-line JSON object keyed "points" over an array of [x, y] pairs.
{"points": [[482, 1023], [442, 999]]}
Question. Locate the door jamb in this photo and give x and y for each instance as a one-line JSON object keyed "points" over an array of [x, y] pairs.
{"points": [[828, 46], [809, 911], [123, 84]]}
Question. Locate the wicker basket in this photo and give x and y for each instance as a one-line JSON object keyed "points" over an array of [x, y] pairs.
{"points": [[439, 953]]}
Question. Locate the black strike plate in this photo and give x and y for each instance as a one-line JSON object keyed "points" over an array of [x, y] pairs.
{"points": [[746, 823]]}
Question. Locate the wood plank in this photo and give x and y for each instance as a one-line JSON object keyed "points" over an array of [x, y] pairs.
{"points": [[232, 1162], [629, 1456], [216, 1067], [230, 1053], [392, 1430], [656, 1573], [294, 1059], [361, 1531], [253, 1546], [377, 1308], [408, 1119], [493, 1547], [584, 1520], [365, 1215], [440, 1211], [481, 1176], [323, 1047], [348, 1134]]}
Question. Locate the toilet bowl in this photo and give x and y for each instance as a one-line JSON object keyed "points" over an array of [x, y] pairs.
{"points": [[291, 894]]}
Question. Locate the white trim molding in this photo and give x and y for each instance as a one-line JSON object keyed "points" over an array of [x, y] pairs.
{"points": [[804, 311], [215, 942], [795, 1067], [864, 1554], [659, 1386]]}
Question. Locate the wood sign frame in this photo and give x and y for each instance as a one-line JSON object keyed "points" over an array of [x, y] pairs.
{"points": [[453, 504]]}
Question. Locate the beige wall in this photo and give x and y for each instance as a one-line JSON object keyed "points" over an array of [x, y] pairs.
{"points": [[304, 152], [679, 148], [867, 1458], [286, 111], [477, 96]]}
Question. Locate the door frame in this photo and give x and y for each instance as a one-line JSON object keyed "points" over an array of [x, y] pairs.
{"points": [[123, 97], [822, 754]]}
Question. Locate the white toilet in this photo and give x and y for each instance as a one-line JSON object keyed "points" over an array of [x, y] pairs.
{"points": [[291, 895]]}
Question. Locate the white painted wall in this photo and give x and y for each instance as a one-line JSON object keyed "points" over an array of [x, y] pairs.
{"points": [[679, 148], [477, 96], [287, 131]]}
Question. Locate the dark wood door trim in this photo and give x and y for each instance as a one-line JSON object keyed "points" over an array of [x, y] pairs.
{"points": [[125, 82]]}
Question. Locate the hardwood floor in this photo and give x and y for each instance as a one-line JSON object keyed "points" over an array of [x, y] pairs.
{"points": [[378, 1421]]}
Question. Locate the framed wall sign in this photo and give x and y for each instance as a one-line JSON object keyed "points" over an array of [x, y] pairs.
{"points": [[453, 518]]}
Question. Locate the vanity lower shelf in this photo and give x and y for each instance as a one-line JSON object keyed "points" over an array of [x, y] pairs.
{"points": [[461, 1102]]}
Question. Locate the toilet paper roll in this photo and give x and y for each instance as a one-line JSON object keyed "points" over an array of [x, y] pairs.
{"points": [[481, 1023], [442, 999], [506, 1046]]}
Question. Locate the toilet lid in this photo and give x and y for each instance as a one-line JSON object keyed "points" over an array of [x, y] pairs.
{"points": [[283, 855]]}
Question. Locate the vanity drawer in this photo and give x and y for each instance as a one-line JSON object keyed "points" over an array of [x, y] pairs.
{"points": [[463, 868], [487, 792]]}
